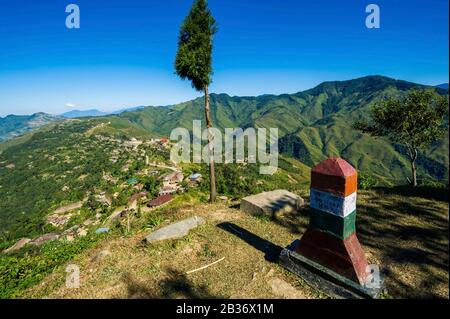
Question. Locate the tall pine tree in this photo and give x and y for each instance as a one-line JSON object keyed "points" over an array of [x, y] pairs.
{"points": [[194, 62]]}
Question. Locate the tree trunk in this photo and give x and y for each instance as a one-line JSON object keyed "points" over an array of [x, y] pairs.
{"points": [[413, 153], [414, 174], [212, 175]]}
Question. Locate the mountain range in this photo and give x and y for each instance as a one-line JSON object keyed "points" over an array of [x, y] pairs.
{"points": [[95, 112], [313, 124], [83, 113], [443, 86], [13, 126]]}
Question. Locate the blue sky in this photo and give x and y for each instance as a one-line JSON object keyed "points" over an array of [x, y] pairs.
{"points": [[123, 54]]}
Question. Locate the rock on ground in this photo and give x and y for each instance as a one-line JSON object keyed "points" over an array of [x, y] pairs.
{"points": [[284, 290], [176, 230], [101, 255], [68, 208], [22, 242], [44, 238]]}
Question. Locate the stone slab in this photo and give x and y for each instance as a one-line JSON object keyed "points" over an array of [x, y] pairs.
{"points": [[271, 203], [175, 231], [330, 203]]}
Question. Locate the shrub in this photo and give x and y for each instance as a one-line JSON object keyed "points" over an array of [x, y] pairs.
{"points": [[366, 181], [21, 271]]}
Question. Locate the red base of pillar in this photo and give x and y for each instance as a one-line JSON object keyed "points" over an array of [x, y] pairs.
{"points": [[344, 257]]}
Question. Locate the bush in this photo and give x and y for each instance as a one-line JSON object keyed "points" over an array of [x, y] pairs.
{"points": [[366, 181], [26, 268], [429, 183]]}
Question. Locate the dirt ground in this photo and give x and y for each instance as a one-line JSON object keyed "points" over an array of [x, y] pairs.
{"points": [[406, 236]]}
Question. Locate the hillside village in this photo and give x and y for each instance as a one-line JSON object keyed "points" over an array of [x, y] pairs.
{"points": [[168, 182]]}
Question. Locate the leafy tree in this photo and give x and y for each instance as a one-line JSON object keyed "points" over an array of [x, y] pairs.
{"points": [[92, 202], [151, 185], [415, 121], [194, 62]]}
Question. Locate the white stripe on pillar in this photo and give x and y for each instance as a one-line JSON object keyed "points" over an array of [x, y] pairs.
{"points": [[330, 203]]}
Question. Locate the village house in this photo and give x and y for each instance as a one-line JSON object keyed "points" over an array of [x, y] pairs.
{"points": [[133, 200], [132, 181], [109, 178], [73, 232], [159, 201], [58, 220], [173, 178], [171, 183], [194, 179], [67, 208], [104, 198], [117, 214], [169, 189], [133, 143], [163, 140]]}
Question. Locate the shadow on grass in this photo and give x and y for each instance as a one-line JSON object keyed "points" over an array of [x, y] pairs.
{"points": [[176, 285], [296, 221], [435, 193], [410, 236], [406, 229], [270, 250]]}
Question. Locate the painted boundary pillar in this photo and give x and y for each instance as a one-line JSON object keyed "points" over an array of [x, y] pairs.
{"points": [[330, 239]]}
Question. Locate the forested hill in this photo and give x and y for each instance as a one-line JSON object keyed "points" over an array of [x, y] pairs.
{"points": [[313, 124]]}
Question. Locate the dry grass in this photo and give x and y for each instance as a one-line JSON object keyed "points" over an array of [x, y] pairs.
{"points": [[408, 237]]}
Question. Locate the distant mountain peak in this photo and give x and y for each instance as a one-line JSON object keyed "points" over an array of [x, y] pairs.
{"points": [[15, 125], [442, 86], [95, 112], [83, 113]]}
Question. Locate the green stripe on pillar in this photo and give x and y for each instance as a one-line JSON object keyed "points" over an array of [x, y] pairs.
{"points": [[332, 224]]}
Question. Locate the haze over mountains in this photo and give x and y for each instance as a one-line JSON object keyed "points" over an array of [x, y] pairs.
{"points": [[95, 112], [313, 124], [443, 86], [12, 126], [83, 113]]}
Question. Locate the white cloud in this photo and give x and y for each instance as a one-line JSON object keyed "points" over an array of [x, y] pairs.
{"points": [[70, 105]]}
